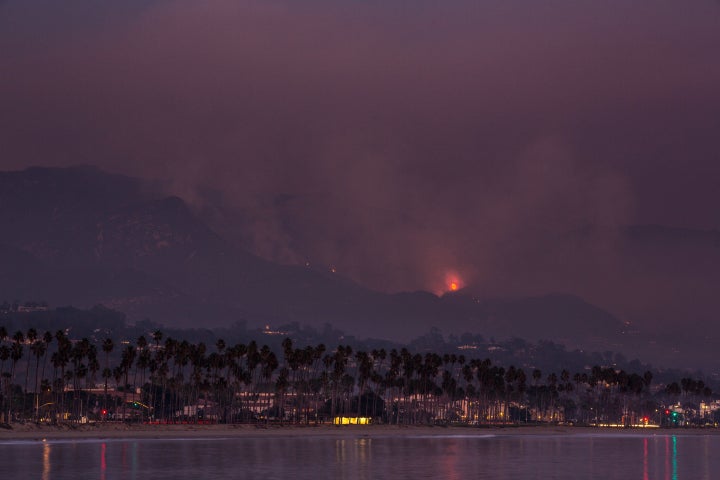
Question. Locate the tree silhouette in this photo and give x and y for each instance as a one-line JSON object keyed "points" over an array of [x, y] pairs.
{"points": [[185, 381]]}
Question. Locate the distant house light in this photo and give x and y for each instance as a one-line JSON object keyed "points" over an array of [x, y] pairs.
{"points": [[268, 331], [352, 421]]}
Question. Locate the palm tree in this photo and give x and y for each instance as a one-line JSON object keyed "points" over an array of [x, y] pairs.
{"points": [[16, 353], [316, 378], [378, 358], [106, 373], [240, 376], [107, 348], [4, 378], [198, 362], [117, 374], [164, 374], [468, 377], [47, 340], [126, 363], [31, 337], [365, 370], [268, 364], [79, 371], [392, 378], [180, 360], [60, 359], [38, 349], [552, 381], [536, 376], [486, 373], [339, 362], [219, 363], [143, 362], [522, 387], [281, 385], [93, 365], [162, 356], [157, 337], [423, 387]]}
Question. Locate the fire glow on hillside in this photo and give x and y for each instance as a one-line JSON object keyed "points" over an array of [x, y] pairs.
{"points": [[453, 282]]}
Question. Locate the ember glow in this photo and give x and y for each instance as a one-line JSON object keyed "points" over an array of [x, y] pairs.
{"points": [[453, 282]]}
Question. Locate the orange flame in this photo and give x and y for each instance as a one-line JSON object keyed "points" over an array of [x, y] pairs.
{"points": [[453, 282]]}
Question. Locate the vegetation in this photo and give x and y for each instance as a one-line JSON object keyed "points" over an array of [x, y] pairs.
{"points": [[54, 378]]}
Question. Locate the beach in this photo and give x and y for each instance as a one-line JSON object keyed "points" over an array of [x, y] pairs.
{"points": [[40, 432]]}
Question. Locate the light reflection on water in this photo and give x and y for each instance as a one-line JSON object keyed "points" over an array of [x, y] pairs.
{"points": [[46, 461], [103, 461], [359, 459], [668, 457], [674, 458]]}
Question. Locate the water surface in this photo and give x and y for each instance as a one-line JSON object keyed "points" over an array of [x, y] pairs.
{"points": [[637, 457]]}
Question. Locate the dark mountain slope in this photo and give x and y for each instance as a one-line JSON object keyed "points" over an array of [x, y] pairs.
{"points": [[83, 237]]}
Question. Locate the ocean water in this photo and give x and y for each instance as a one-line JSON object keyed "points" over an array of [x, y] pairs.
{"points": [[601, 456]]}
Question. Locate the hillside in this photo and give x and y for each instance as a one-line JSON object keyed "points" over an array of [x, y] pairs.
{"points": [[84, 237]]}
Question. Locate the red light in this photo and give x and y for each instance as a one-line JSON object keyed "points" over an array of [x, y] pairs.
{"points": [[104, 412], [667, 412]]}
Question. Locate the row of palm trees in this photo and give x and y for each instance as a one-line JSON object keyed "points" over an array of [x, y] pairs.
{"points": [[162, 379]]}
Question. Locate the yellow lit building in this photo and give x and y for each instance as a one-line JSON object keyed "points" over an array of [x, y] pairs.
{"points": [[352, 421]]}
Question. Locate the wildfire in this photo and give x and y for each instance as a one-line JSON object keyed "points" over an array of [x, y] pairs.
{"points": [[453, 282]]}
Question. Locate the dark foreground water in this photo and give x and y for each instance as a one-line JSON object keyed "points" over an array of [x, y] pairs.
{"points": [[602, 456]]}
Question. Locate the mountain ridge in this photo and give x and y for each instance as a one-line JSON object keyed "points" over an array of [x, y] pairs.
{"points": [[149, 255]]}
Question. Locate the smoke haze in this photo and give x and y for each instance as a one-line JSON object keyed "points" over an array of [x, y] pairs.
{"points": [[416, 139]]}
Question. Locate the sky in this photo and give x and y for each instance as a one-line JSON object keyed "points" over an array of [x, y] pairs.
{"points": [[428, 141]]}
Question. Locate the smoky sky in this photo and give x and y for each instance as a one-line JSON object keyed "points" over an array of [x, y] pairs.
{"points": [[430, 136]]}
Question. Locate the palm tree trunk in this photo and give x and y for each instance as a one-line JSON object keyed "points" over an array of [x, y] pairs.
{"points": [[37, 405]]}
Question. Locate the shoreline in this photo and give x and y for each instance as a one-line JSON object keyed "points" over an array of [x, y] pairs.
{"points": [[108, 431]]}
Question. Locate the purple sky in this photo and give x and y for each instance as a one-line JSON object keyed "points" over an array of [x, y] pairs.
{"points": [[493, 126]]}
